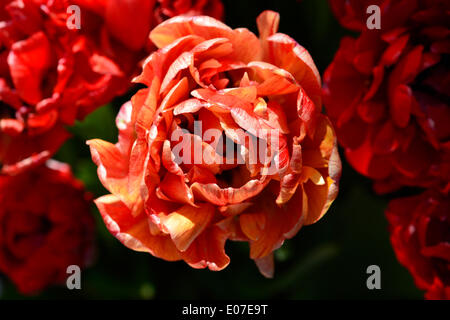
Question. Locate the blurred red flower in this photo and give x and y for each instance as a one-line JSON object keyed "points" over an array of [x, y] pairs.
{"points": [[420, 235], [387, 92], [236, 85], [49, 76], [45, 226]]}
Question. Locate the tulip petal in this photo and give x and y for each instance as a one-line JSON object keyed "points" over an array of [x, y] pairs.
{"points": [[133, 230], [174, 187], [112, 167], [266, 266], [287, 54], [130, 21], [252, 224], [21, 152], [207, 28], [401, 105], [208, 250], [28, 61], [223, 196], [267, 22], [187, 223], [280, 223]]}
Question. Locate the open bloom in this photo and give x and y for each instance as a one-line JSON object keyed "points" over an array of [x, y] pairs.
{"points": [[50, 75], [45, 226], [184, 176], [387, 92], [420, 236]]}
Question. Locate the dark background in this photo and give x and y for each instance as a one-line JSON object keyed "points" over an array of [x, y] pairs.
{"points": [[327, 260]]}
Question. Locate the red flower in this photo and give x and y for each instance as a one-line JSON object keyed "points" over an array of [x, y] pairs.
{"points": [[387, 92], [420, 235], [245, 91], [45, 226], [49, 76]]}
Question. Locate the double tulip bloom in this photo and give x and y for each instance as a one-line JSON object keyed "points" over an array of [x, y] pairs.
{"points": [[49, 77], [387, 92], [45, 226], [248, 89]]}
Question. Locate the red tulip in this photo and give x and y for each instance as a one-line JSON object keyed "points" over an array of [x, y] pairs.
{"points": [[49, 77], [176, 191], [387, 92], [45, 226]]}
